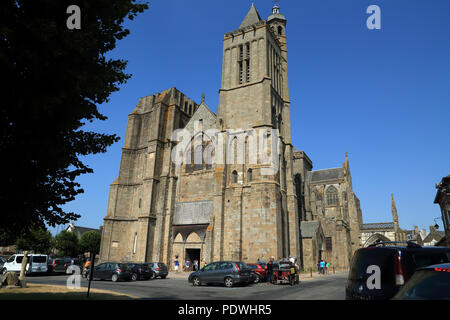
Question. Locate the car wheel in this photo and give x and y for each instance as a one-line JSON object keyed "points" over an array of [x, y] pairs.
{"points": [[229, 282], [153, 276], [4, 270], [257, 279], [115, 277], [163, 277], [134, 277], [196, 281]]}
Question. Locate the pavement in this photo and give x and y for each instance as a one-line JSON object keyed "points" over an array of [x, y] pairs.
{"points": [[176, 287]]}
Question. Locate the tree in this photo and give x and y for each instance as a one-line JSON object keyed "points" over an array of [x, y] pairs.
{"points": [[90, 242], [55, 78], [67, 244], [38, 240]]}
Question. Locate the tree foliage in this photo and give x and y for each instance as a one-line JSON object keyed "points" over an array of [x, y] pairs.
{"points": [[55, 78], [67, 244], [38, 240], [90, 242]]}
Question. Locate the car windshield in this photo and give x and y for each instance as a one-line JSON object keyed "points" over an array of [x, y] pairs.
{"points": [[426, 285]]}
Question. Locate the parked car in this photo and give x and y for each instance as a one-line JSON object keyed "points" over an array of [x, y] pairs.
{"points": [[38, 263], [260, 272], [111, 271], [222, 272], [2, 261], [71, 263], [397, 264], [140, 271], [428, 283], [159, 269], [56, 265]]}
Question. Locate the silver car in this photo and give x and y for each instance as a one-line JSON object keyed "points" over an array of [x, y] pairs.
{"points": [[228, 273]]}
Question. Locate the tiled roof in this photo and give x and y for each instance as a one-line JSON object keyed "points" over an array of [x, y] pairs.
{"points": [[325, 175]]}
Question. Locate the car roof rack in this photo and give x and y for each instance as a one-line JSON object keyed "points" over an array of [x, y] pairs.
{"points": [[409, 244]]}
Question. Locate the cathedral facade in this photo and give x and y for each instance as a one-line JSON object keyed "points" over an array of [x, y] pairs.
{"points": [[241, 208]]}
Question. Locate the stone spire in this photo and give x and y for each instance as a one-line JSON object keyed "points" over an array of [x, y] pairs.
{"points": [[394, 214], [252, 17]]}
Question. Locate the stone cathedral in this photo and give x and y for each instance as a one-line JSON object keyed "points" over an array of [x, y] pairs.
{"points": [[211, 211]]}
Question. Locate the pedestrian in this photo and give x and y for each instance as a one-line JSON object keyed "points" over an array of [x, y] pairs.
{"points": [[176, 263], [270, 271], [195, 265], [328, 266], [322, 266], [187, 265]]}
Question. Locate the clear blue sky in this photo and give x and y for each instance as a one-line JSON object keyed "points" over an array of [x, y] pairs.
{"points": [[382, 95]]}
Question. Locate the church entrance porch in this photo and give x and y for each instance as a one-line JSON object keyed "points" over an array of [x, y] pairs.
{"points": [[192, 254]]}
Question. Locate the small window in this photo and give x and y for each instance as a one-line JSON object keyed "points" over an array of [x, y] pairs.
{"points": [[329, 243], [135, 242], [280, 30], [250, 175], [235, 176], [140, 202], [190, 108]]}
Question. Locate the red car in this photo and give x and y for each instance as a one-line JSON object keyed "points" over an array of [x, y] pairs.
{"points": [[259, 270]]}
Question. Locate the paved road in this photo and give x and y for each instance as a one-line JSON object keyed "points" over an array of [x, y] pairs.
{"points": [[330, 287]]}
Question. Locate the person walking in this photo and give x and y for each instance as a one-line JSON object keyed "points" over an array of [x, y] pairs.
{"points": [[270, 271], [322, 266], [176, 264], [328, 267], [187, 265]]}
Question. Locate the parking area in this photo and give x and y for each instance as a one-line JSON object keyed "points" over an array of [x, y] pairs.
{"points": [[176, 286]]}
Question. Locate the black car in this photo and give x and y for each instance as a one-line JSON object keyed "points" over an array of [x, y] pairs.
{"points": [[397, 263], [159, 269], [429, 283], [111, 271], [56, 265], [140, 271]]}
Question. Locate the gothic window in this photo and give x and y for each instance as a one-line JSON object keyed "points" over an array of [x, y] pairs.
{"points": [[198, 155], [250, 175], [332, 196], [235, 176], [207, 155], [185, 106], [241, 64], [247, 78]]}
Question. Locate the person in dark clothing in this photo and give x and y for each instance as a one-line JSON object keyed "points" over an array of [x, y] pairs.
{"points": [[269, 271]]}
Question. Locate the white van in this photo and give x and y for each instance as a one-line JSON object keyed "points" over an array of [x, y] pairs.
{"points": [[37, 263]]}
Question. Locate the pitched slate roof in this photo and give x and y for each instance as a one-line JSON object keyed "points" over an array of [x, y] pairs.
{"points": [[252, 17], [382, 225], [326, 174]]}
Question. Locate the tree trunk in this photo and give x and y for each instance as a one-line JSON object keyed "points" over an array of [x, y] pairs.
{"points": [[23, 269]]}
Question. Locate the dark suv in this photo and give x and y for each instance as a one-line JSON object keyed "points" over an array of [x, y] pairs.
{"points": [[396, 263]]}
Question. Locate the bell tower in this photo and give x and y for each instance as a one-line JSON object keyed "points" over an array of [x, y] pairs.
{"points": [[258, 211]]}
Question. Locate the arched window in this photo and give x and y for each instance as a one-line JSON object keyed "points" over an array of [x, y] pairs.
{"points": [[332, 196], [235, 176], [280, 30], [198, 158], [207, 156], [250, 175]]}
